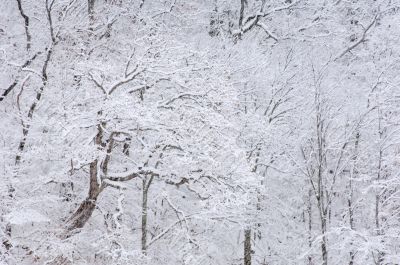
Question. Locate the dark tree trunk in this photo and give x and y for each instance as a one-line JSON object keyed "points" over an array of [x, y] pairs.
{"points": [[144, 217], [39, 94], [379, 231], [247, 247], [309, 211], [26, 23], [353, 174], [91, 13], [146, 187], [86, 208], [324, 249], [351, 220]]}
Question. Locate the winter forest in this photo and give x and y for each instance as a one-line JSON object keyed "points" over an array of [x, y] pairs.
{"points": [[201, 132]]}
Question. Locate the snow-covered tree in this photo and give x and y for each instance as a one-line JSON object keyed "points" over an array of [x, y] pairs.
{"points": [[199, 132]]}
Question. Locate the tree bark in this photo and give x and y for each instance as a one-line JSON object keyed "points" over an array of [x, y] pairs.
{"points": [[380, 254], [309, 211], [39, 94], [26, 24], [353, 173], [351, 220], [91, 13], [144, 215], [247, 247], [85, 210], [324, 243]]}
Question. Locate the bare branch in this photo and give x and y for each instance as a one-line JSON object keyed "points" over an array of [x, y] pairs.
{"points": [[26, 22], [25, 129], [361, 40], [265, 28], [97, 84], [129, 78], [133, 175], [253, 20], [49, 7], [184, 96], [164, 232], [20, 92], [12, 86], [242, 5]]}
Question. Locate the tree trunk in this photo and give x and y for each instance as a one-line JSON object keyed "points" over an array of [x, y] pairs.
{"points": [[247, 247], [351, 193], [351, 220], [26, 23], [324, 243], [144, 217], [86, 208], [37, 99], [309, 210], [91, 13], [377, 195], [378, 227], [146, 186]]}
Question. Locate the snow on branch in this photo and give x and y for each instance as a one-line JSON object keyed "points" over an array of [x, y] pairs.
{"points": [[361, 40], [131, 175], [253, 20]]}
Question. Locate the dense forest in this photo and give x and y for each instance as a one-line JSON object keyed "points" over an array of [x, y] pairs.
{"points": [[168, 132]]}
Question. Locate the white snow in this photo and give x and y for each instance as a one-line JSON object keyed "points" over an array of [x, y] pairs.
{"points": [[24, 216]]}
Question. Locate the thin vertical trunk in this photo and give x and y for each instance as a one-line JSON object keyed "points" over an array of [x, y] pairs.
{"points": [[351, 221], [144, 217], [247, 247], [321, 195], [323, 213], [324, 249], [257, 234], [91, 13], [323, 217], [378, 227], [350, 198], [145, 186], [377, 195], [248, 232], [309, 211]]}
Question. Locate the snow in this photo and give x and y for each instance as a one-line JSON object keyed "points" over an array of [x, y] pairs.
{"points": [[25, 216]]}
